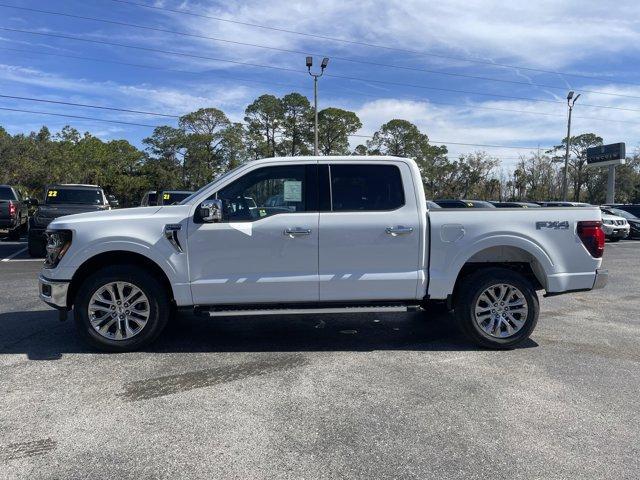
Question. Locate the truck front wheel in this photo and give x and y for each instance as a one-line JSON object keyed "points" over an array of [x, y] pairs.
{"points": [[121, 308], [496, 308]]}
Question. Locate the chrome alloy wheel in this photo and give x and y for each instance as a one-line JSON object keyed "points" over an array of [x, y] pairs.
{"points": [[501, 310], [118, 310]]}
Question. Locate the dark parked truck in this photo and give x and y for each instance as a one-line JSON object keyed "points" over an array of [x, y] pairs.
{"points": [[60, 200], [172, 197], [14, 211]]}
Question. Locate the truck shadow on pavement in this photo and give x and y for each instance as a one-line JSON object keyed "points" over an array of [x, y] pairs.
{"points": [[41, 336]]}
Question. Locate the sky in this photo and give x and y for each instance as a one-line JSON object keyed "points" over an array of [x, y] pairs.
{"points": [[465, 72]]}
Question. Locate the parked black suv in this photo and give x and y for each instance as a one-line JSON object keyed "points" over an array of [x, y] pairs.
{"points": [[60, 200]]}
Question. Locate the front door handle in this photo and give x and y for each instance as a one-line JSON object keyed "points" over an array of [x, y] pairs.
{"points": [[296, 232], [399, 230]]}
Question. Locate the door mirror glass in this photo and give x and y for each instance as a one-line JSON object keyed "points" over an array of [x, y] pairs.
{"points": [[33, 202], [211, 211]]}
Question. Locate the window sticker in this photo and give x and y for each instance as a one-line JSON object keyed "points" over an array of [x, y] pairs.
{"points": [[166, 196], [52, 193], [292, 191], [263, 213]]}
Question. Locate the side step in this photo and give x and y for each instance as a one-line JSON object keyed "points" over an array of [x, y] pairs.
{"points": [[238, 312]]}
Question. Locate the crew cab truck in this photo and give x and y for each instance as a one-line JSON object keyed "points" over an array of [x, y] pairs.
{"points": [[14, 211], [348, 234], [60, 200]]}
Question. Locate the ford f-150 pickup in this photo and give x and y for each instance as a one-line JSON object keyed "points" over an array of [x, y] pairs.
{"points": [[345, 234], [60, 200]]}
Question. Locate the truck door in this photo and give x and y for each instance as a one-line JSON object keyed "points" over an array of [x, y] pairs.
{"points": [[266, 248], [370, 237]]}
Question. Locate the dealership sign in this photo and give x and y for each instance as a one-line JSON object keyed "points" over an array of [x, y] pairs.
{"points": [[612, 154]]}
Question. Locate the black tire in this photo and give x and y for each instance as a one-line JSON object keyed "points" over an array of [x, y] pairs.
{"points": [[467, 296], [159, 306], [36, 246], [15, 233]]}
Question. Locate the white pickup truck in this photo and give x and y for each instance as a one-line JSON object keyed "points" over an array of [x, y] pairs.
{"points": [[316, 234]]}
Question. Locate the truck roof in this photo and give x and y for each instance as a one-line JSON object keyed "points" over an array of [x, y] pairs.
{"points": [[73, 185], [333, 158]]}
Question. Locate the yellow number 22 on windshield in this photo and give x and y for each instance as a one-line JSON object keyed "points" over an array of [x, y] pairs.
{"points": [[52, 193]]}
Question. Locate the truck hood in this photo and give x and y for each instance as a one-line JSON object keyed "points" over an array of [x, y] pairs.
{"points": [[105, 215], [55, 211], [606, 216]]}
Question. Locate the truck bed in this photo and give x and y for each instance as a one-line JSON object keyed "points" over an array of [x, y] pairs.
{"points": [[544, 237]]}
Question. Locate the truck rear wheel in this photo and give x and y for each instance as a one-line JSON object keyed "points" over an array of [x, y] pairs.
{"points": [[496, 308], [121, 308], [15, 233]]}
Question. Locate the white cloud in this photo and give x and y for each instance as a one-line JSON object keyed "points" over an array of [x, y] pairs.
{"points": [[477, 126], [167, 99], [547, 34]]}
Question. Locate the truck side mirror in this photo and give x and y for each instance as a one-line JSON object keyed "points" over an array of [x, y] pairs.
{"points": [[33, 202], [211, 211]]}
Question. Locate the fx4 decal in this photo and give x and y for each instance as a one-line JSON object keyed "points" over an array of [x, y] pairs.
{"points": [[557, 225]]}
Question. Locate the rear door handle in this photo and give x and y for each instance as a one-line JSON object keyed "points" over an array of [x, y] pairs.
{"points": [[399, 230], [297, 232]]}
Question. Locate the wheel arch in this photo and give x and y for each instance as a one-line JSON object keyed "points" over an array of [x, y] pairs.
{"points": [[510, 257], [116, 257]]}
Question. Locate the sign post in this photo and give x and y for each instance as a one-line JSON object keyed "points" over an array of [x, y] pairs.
{"points": [[608, 155]]}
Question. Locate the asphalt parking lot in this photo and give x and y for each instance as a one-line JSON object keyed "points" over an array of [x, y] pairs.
{"points": [[334, 396]]}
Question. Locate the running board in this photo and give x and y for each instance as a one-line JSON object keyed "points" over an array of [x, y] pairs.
{"points": [[298, 311]]}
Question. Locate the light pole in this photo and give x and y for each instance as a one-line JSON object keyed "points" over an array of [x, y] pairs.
{"points": [[565, 180], [316, 76]]}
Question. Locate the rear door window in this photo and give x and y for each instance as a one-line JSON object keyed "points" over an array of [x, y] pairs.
{"points": [[366, 188]]}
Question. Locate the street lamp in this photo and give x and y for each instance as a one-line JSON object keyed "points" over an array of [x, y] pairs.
{"points": [[571, 100], [316, 76]]}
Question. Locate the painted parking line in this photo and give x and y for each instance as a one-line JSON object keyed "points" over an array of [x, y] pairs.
{"points": [[14, 254], [14, 260]]}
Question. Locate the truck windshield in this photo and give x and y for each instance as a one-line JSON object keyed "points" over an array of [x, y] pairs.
{"points": [[174, 198], [622, 213], [6, 194], [82, 196]]}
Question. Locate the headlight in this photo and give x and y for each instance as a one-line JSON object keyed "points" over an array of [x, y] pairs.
{"points": [[58, 242], [608, 222]]}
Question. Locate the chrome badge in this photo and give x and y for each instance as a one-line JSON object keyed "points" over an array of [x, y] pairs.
{"points": [[557, 225]]}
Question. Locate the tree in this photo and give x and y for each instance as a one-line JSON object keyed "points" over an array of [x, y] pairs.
{"points": [[296, 125], [539, 177], [166, 147], [397, 137], [474, 176], [578, 173], [264, 119], [203, 133], [402, 138], [334, 127]]}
